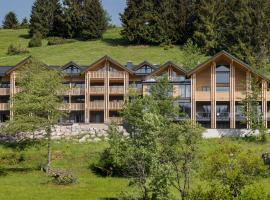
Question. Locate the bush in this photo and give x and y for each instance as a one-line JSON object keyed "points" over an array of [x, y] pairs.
{"points": [[16, 49], [36, 40], [58, 41], [62, 177]]}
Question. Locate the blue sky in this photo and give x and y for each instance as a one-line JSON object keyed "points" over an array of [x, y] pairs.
{"points": [[23, 8]]}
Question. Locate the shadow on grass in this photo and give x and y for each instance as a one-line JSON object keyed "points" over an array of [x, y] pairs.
{"points": [[22, 145], [6, 171], [25, 36], [116, 41]]}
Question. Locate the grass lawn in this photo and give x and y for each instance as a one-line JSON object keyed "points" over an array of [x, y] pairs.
{"points": [[22, 179], [86, 52]]}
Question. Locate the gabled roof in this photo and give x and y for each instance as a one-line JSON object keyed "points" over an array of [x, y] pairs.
{"points": [[71, 63], [20, 64], [225, 53], [167, 64], [106, 58], [143, 64]]}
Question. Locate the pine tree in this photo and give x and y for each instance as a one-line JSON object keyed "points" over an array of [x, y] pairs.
{"points": [[73, 15], [10, 21], [46, 18], [247, 33], [24, 23], [209, 25], [94, 20], [142, 23]]}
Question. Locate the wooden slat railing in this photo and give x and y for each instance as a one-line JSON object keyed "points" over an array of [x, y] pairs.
{"points": [[96, 105], [116, 120], [117, 89], [96, 89], [97, 74], [77, 106], [116, 105], [4, 91], [4, 106]]}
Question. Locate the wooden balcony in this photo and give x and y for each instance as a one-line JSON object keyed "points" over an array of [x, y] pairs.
{"points": [[202, 95], [4, 91], [117, 75], [77, 106], [18, 90], [239, 95], [77, 91], [116, 120], [223, 96], [117, 90], [65, 106], [116, 105], [97, 90], [96, 105], [97, 74], [4, 106]]}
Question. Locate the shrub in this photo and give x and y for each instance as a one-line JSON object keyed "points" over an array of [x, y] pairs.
{"points": [[36, 40], [62, 177], [58, 41], [16, 49]]}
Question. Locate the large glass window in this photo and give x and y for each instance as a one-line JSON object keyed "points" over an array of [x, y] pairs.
{"points": [[185, 108], [144, 70], [223, 74], [222, 89], [72, 70], [184, 91]]}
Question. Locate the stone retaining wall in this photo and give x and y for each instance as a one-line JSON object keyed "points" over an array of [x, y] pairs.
{"points": [[79, 132]]}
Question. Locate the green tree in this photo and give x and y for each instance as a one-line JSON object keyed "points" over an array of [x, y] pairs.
{"points": [[36, 107], [46, 18], [209, 25], [94, 22], [73, 15], [10, 21], [25, 23], [251, 108], [180, 144]]}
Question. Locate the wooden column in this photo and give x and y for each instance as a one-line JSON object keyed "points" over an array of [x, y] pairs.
{"points": [[232, 95], [12, 91], [264, 102], [193, 97], [213, 95], [126, 85], [87, 98], [107, 91], [248, 88], [69, 98]]}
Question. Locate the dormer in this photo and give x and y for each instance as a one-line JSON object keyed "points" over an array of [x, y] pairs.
{"points": [[71, 69], [144, 68]]}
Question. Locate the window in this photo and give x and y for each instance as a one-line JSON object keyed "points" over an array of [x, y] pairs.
{"points": [[72, 70], [223, 74], [4, 84], [223, 89], [177, 77], [144, 70], [77, 85], [185, 108], [184, 91]]}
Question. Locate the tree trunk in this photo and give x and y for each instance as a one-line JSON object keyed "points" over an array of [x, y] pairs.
{"points": [[49, 155]]}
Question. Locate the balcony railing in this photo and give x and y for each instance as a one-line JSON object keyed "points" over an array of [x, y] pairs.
{"points": [[203, 116], [239, 117], [77, 91], [4, 91], [96, 105], [116, 74], [116, 105], [97, 74], [4, 106], [77, 106], [96, 89], [117, 89], [223, 116], [116, 120]]}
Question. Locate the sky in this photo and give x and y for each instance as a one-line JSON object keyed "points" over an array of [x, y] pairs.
{"points": [[23, 8]]}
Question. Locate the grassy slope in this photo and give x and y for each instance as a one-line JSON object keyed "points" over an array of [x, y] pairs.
{"points": [[87, 52], [34, 185]]}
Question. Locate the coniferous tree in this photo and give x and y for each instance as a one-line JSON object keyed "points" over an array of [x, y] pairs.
{"points": [[247, 31], [209, 25], [94, 20], [73, 15], [46, 18], [24, 23], [10, 21]]}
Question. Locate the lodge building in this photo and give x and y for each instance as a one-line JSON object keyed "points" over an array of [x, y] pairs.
{"points": [[209, 94]]}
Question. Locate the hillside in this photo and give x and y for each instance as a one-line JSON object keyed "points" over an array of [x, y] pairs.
{"points": [[86, 52]]}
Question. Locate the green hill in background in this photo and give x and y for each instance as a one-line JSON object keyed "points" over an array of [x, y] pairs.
{"points": [[86, 52]]}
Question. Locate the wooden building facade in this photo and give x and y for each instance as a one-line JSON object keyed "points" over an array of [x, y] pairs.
{"points": [[209, 94]]}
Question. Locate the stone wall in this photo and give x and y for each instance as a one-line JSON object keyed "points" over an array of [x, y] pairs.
{"points": [[78, 132]]}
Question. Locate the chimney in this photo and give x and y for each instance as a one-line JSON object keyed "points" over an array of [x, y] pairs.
{"points": [[129, 64]]}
